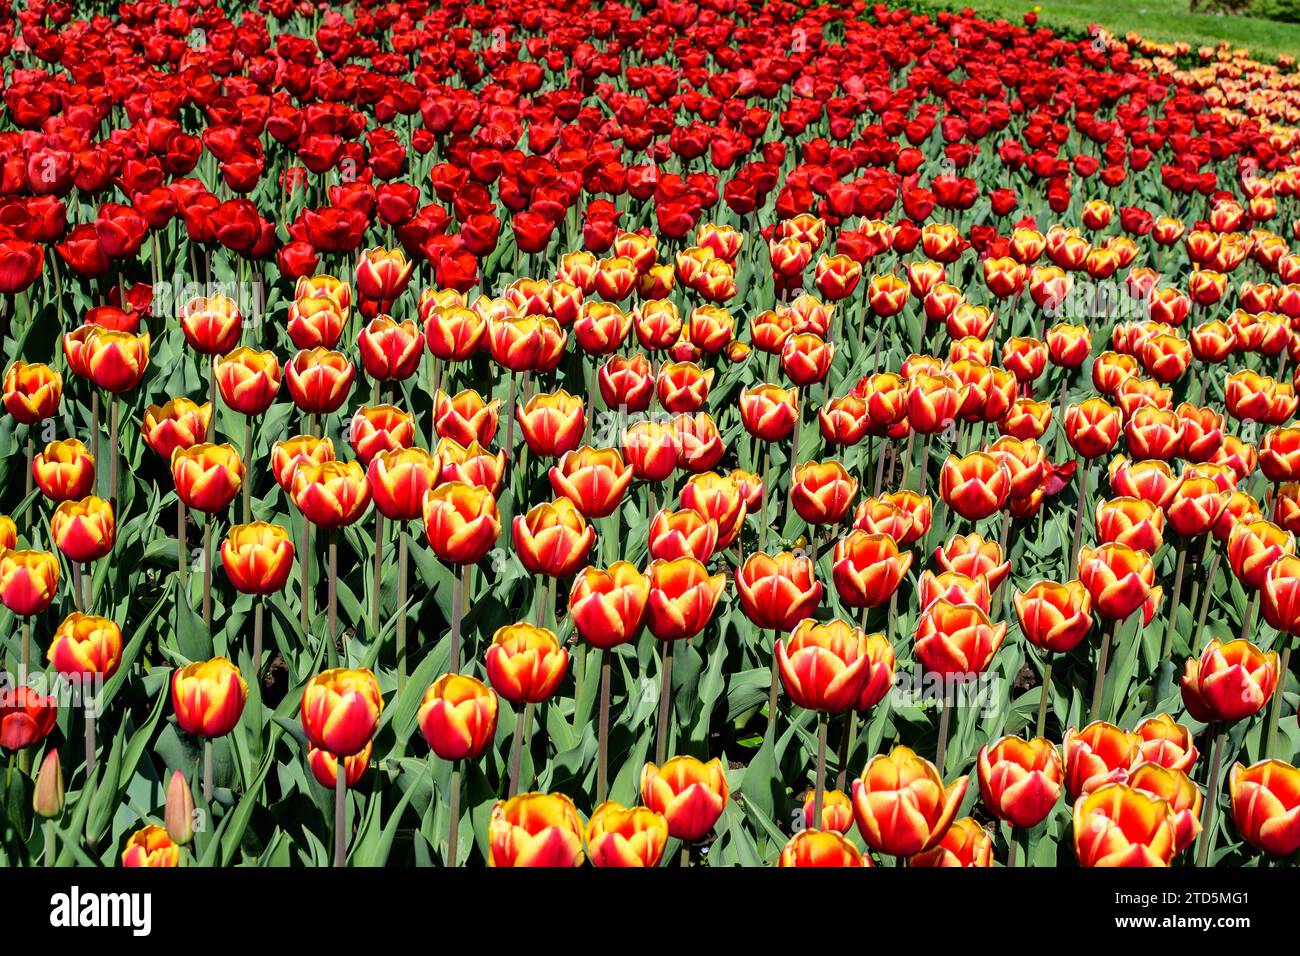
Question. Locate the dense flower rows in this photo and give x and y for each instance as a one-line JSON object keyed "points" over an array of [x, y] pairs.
{"points": [[723, 432]]}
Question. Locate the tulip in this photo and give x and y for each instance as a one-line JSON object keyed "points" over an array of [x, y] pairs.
{"points": [[1020, 781], [682, 598], [1132, 522], [28, 580], [65, 470], [535, 829], [823, 666], [901, 805], [26, 717], [1164, 742], [685, 533], [620, 836], [956, 639], [551, 424], [207, 476], [340, 710], [966, 844], [257, 557], [525, 663], [31, 392], [324, 766], [1117, 825], [289, 453], [248, 380], [769, 412], [84, 530], [822, 492], [458, 717], [319, 380], [48, 793], [461, 522], [776, 593], [331, 494], [390, 351], [821, 848], [465, 418], [689, 794], [1054, 617], [837, 811], [1176, 789], [595, 480], [1101, 753], [1120, 581], [85, 646], [150, 846], [868, 568], [608, 606], [1266, 805], [208, 697], [1229, 681], [553, 538], [180, 423], [115, 361], [211, 324], [975, 486]]}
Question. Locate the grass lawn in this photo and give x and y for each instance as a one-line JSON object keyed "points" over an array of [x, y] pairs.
{"points": [[1163, 20]]}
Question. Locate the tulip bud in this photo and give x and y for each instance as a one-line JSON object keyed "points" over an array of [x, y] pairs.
{"points": [[179, 813], [47, 799]]}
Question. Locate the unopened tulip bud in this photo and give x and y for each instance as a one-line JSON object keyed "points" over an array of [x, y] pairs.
{"points": [[179, 812], [47, 800]]}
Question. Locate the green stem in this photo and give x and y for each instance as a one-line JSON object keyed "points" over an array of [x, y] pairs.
{"points": [[1211, 798]]}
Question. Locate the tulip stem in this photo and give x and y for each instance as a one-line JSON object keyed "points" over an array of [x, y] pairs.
{"points": [[332, 597], [379, 575], [665, 692], [1077, 539], [435, 385], [846, 746], [207, 570], [94, 427], [1211, 795], [1210, 578], [340, 812], [1013, 846], [114, 414], [305, 566], [1044, 695], [88, 711], [767, 489], [457, 612], [453, 812], [1248, 618], [884, 447], [24, 660], [602, 753], [517, 748], [1275, 711], [401, 608], [923, 465], [771, 694], [1103, 657], [180, 546], [31, 454], [248, 469], [207, 769], [511, 397], [941, 749], [819, 793], [258, 613], [1168, 644]]}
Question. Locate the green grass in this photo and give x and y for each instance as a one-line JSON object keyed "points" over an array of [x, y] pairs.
{"points": [[1162, 20]]}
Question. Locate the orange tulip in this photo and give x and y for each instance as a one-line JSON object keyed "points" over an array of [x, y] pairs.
{"points": [[28, 580], [1254, 547], [535, 829], [85, 646], [340, 710], [1120, 581], [691, 795], [682, 598], [1054, 617], [823, 666], [1164, 742], [769, 412], [248, 380], [453, 333], [1101, 753], [553, 538], [1092, 428], [822, 492], [32, 392], [116, 361], [966, 844], [1195, 506], [777, 592], [837, 811], [1229, 681], [975, 486], [956, 639], [180, 423], [208, 697], [399, 479], [608, 606], [207, 476], [64, 470], [1266, 805], [332, 494], [1020, 781], [525, 663], [1176, 789], [1117, 825], [465, 418], [595, 480], [84, 530], [552, 424], [257, 557], [376, 428], [150, 846], [324, 766], [622, 836], [868, 568], [821, 848], [461, 522], [458, 717], [211, 324], [901, 805]]}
